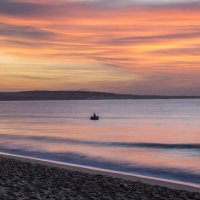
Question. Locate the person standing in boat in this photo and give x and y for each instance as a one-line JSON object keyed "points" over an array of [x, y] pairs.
{"points": [[94, 117]]}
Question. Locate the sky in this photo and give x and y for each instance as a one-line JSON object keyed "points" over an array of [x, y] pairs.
{"points": [[122, 46]]}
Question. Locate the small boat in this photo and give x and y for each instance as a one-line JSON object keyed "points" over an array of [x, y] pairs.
{"points": [[94, 117]]}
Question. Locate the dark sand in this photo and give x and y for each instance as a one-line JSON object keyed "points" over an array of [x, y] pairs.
{"points": [[22, 180]]}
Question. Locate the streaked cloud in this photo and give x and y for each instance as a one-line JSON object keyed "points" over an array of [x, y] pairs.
{"points": [[149, 47], [152, 38], [11, 30], [20, 8]]}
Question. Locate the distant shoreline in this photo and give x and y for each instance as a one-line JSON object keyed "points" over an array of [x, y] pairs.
{"points": [[79, 95]]}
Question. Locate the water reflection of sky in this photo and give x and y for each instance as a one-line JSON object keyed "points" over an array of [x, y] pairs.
{"points": [[36, 125]]}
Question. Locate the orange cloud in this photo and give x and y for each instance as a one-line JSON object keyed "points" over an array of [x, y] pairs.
{"points": [[73, 45]]}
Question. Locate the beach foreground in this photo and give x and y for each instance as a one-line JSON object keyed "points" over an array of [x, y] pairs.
{"points": [[27, 180]]}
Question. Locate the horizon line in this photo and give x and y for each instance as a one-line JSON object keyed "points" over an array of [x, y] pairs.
{"points": [[114, 93]]}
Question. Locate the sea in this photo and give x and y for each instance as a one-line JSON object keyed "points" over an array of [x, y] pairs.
{"points": [[153, 138]]}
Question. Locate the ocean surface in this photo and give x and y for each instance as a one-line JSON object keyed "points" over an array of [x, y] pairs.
{"points": [[155, 138]]}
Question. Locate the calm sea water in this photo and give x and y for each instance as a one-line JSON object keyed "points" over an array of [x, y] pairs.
{"points": [[157, 138]]}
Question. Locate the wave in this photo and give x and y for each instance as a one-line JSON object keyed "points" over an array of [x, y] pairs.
{"points": [[191, 146], [81, 159], [64, 117], [39, 116]]}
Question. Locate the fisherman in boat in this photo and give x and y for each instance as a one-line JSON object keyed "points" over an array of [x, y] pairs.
{"points": [[94, 117]]}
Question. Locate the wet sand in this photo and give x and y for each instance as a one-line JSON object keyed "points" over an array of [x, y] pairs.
{"points": [[22, 178]]}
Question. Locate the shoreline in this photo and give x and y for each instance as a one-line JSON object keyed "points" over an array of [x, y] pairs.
{"points": [[128, 99], [82, 95], [25, 178], [111, 173]]}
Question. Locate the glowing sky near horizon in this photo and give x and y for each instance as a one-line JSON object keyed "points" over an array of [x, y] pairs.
{"points": [[129, 46]]}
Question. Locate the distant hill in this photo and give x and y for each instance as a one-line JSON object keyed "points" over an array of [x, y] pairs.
{"points": [[78, 95]]}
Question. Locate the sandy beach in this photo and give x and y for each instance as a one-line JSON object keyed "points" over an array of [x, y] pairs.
{"points": [[22, 178]]}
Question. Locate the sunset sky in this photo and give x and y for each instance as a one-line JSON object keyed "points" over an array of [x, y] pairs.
{"points": [[123, 46]]}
